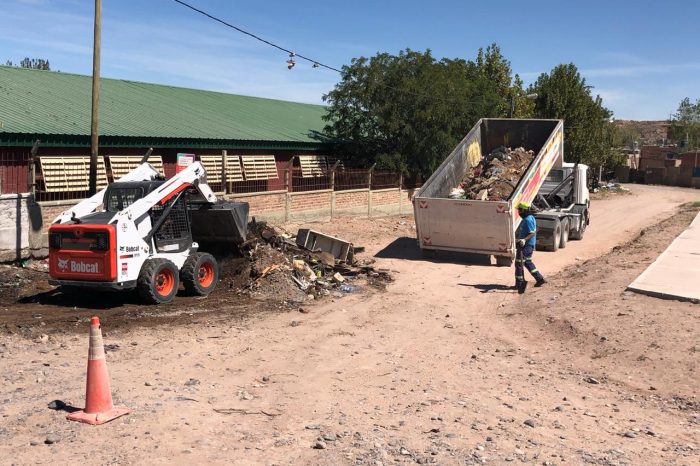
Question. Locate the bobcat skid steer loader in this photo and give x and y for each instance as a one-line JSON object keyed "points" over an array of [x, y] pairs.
{"points": [[146, 233]]}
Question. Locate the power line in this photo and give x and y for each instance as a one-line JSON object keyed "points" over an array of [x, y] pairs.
{"points": [[316, 63]]}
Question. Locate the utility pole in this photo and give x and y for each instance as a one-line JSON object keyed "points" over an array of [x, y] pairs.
{"points": [[94, 134], [532, 96]]}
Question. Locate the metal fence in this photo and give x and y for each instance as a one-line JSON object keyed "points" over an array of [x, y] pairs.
{"points": [[19, 174], [14, 172]]}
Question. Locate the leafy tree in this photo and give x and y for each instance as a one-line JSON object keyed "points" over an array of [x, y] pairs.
{"points": [[33, 63], [588, 134], [627, 134], [407, 112], [494, 66], [685, 124]]}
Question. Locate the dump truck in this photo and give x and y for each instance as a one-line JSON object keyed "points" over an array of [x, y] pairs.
{"points": [[146, 233], [558, 190]]}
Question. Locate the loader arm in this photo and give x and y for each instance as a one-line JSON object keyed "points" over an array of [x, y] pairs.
{"points": [[194, 175], [144, 172]]}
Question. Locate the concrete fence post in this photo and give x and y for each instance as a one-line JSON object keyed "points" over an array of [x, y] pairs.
{"points": [[224, 169], [289, 187], [332, 183], [32, 169], [369, 190], [400, 195]]}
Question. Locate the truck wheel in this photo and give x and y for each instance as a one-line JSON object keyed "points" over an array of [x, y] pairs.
{"points": [[503, 261], [564, 233], [158, 281], [556, 236], [578, 234], [200, 274]]}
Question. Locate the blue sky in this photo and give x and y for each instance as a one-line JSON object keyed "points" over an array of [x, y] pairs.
{"points": [[642, 57]]}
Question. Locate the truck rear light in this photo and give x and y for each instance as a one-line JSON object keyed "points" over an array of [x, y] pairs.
{"points": [[55, 240]]}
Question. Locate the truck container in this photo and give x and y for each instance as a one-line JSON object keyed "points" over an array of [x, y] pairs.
{"points": [[488, 227]]}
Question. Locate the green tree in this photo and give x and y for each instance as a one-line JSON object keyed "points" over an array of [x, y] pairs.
{"points": [[493, 66], [408, 111], [685, 124], [627, 134], [33, 63], [588, 133], [496, 68]]}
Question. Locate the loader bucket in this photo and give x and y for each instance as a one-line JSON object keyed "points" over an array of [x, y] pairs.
{"points": [[223, 225]]}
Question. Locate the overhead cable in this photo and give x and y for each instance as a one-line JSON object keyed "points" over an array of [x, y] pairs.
{"points": [[316, 63]]}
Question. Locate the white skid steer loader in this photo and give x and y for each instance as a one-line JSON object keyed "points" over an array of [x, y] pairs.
{"points": [[143, 232]]}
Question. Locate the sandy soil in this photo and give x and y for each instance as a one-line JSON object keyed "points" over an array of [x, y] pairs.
{"points": [[448, 366]]}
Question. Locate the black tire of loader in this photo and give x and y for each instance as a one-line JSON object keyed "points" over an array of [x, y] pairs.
{"points": [[190, 272], [146, 283]]}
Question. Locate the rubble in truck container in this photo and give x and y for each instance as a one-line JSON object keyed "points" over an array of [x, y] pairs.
{"points": [[274, 264], [496, 175]]}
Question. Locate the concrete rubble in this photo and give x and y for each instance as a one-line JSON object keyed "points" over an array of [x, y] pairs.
{"points": [[495, 177], [314, 270]]}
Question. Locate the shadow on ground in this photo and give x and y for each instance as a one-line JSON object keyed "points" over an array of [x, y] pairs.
{"points": [[60, 405], [406, 248], [82, 298], [491, 287]]}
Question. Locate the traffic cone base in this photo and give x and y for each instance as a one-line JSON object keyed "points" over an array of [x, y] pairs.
{"points": [[98, 397], [98, 418]]}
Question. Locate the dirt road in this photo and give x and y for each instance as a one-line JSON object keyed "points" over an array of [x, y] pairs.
{"points": [[447, 366]]}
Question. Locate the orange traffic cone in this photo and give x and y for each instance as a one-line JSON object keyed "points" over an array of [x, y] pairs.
{"points": [[98, 398]]}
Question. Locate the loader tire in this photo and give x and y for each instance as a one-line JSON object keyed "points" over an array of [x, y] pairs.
{"points": [[158, 281], [200, 274]]}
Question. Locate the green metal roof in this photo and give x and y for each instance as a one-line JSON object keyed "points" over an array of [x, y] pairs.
{"points": [[57, 106]]}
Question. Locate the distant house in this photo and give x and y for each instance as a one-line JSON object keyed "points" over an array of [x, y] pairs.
{"points": [[658, 157], [260, 135]]}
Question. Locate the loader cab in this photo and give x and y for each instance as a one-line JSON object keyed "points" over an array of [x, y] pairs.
{"points": [[120, 195], [169, 220]]}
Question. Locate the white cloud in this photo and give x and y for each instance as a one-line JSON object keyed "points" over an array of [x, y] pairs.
{"points": [[638, 70], [611, 95]]}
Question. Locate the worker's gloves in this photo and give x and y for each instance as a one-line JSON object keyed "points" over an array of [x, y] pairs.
{"points": [[520, 243]]}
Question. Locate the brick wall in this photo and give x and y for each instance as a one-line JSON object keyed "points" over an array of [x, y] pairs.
{"points": [[351, 203], [273, 206], [311, 205], [385, 196], [263, 202], [354, 198], [311, 200]]}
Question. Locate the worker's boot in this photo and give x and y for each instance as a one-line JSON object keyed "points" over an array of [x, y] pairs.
{"points": [[521, 287], [540, 282]]}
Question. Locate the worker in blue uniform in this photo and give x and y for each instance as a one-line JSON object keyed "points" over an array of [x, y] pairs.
{"points": [[526, 239]]}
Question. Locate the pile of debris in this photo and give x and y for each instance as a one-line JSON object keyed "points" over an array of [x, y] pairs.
{"points": [[307, 265], [495, 177]]}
